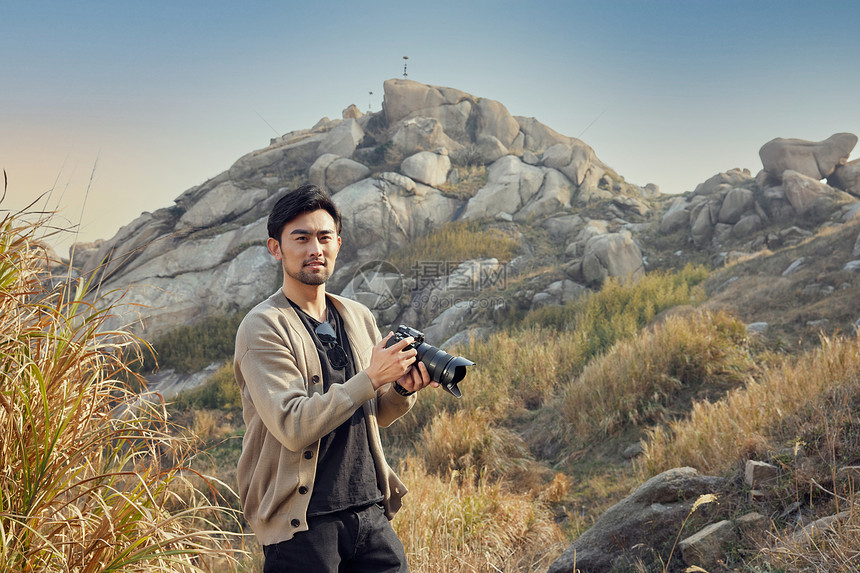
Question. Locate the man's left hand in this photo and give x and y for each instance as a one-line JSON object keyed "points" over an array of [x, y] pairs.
{"points": [[417, 378]]}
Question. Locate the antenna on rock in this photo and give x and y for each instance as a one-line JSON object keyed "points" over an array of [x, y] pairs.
{"points": [[404, 65], [369, 94]]}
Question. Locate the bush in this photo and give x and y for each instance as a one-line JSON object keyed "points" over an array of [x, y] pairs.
{"points": [[219, 392], [192, 348], [89, 478], [640, 381]]}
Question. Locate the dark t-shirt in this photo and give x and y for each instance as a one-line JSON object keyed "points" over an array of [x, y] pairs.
{"points": [[346, 476]]}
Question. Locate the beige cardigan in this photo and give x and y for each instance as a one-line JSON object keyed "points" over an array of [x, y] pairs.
{"points": [[286, 414]]}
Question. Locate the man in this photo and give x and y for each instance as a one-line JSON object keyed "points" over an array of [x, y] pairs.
{"points": [[317, 382]]}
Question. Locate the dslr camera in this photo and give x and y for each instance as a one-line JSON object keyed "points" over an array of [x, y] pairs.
{"points": [[443, 368]]}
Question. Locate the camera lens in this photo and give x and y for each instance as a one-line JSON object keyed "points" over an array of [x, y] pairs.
{"points": [[444, 368]]}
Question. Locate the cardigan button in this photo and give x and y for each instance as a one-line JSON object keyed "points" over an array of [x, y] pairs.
{"points": [[295, 523], [315, 379], [303, 490], [309, 454]]}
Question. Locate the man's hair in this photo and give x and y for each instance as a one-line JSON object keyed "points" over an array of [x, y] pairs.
{"points": [[305, 199]]}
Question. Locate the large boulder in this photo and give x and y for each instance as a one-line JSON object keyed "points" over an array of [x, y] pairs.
{"points": [[427, 167], [224, 202], [538, 137], [612, 255], [736, 203], [650, 517], [421, 133], [815, 159], [332, 172], [495, 120], [510, 185], [807, 195], [379, 215], [847, 177], [403, 97], [723, 181], [577, 161], [677, 217], [279, 159], [343, 139]]}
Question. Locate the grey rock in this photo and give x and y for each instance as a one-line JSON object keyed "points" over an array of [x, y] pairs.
{"points": [[737, 202], [808, 195], [419, 134], [795, 266], [490, 149], [611, 255], [378, 214], [538, 137], [677, 217], [650, 515], [856, 250], [510, 185], [494, 120], [723, 181], [633, 451], [223, 202], [852, 267], [748, 225], [847, 177], [451, 321], [403, 97], [343, 139], [756, 328], [427, 167], [333, 173], [758, 474], [816, 160], [707, 548]]}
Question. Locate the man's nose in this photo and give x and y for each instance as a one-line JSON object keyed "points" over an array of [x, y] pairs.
{"points": [[315, 247]]}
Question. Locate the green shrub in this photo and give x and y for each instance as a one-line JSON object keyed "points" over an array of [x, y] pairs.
{"points": [[192, 348], [220, 392]]}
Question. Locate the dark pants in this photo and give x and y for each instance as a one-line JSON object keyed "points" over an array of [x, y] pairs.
{"points": [[353, 541]]}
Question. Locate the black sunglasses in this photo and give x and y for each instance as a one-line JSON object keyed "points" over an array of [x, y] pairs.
{"points": [[336, 354]]}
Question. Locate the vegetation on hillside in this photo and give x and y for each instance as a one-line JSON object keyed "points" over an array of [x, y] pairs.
{"points": [[90, 477], [530, 456], [502, 479]]}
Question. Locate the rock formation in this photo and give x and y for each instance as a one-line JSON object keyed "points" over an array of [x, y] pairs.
{"points": [[736, 208], [388, 172]]}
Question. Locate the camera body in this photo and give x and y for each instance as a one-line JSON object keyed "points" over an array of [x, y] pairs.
{"points": [[443, 368]]}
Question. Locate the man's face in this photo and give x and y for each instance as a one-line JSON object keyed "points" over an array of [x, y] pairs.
{"points": [[308, 248]]}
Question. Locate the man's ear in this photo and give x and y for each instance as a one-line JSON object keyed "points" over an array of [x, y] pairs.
{"points": [[274, 247]]}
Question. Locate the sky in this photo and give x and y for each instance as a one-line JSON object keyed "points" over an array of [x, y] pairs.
{"points": [[112, 108]]}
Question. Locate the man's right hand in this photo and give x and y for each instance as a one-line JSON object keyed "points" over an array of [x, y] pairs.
{"points": [[390, 364]]}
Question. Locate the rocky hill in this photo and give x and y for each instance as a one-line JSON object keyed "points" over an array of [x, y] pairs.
{"points": [[782, 245], [437, 155]]}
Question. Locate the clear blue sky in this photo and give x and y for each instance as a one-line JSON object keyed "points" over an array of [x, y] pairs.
{"points": [[151, 98]]}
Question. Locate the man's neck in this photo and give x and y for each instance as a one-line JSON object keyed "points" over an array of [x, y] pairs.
{"points": [[309, 298]]}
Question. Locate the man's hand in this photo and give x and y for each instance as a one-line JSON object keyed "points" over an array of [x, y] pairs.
{"points": [[392, 363], [417, 378]]}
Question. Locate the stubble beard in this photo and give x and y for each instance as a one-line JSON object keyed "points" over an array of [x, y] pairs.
{"points": [[310, 278]]}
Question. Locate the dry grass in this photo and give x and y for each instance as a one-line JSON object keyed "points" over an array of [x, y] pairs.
{"points": [[467, 440], [455, 243], [747, 421], [90, 480], [641, 381], [465, 523]]}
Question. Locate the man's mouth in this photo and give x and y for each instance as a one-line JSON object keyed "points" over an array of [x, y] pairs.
{"points": [[315, 264]]}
